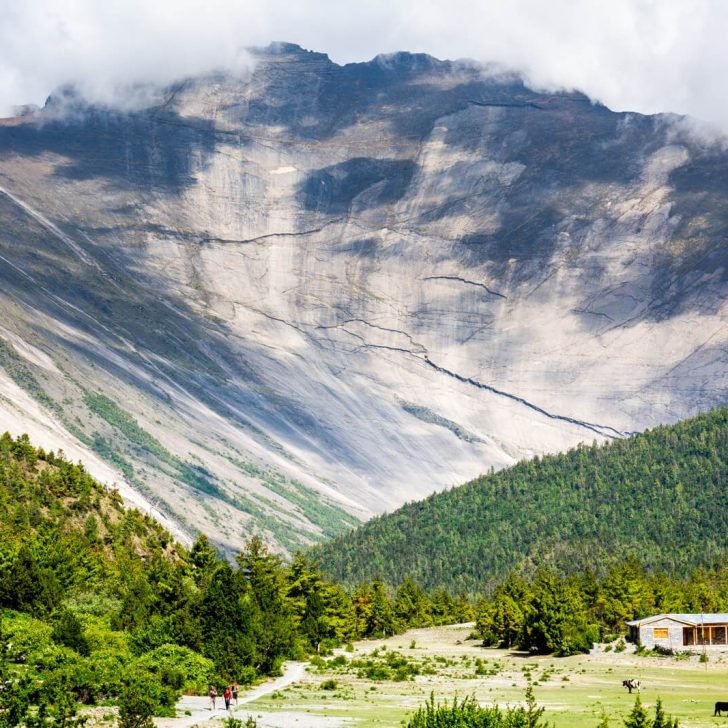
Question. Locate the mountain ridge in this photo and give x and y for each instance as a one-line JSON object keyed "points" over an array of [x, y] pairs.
{"points": [[351, 285]]}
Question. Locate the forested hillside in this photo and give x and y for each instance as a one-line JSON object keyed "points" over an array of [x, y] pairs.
{"points": [[660, 496], [98, 603]]}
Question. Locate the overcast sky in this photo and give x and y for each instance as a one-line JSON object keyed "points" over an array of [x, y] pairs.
{"points": [[638, 55]]}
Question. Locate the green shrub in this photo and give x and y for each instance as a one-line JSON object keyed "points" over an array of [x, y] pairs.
{"points": [[468, 713], [68, 631], [179, 668], [140, 687], [377, 672], [232, 722], [329, 685], [26, 636], [137, 704]]}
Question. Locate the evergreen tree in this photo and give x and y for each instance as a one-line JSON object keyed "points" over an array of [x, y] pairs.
{"points": [[411, 606], [381, 615], [226, 615], [68, 631], [203, 558], [272, 622], [502, 618], [637, 717], [28, 586], [136, 705], [661, 720], [555, 620]]}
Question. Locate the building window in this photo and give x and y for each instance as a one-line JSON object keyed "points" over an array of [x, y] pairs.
{"points": [[717, 636], [660, 633], [688, 636]]}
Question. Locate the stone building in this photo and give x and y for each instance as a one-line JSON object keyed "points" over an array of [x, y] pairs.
{"points": [[681, 631]]}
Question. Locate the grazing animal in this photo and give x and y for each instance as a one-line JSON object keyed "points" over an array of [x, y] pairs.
{"points": [[720, 706], [633, 684]]}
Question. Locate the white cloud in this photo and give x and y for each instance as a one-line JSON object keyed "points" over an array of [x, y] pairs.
{"points": [[639, 55]]}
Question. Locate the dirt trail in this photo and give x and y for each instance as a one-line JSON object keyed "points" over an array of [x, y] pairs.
{"points": [[199, 705]]}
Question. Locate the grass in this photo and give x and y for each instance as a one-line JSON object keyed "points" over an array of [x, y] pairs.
{"points": [[574, 690], [195, 476], [20, 373], [332, 519]]}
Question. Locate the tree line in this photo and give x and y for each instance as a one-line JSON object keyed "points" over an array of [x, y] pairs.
{"points": [[553, 613]]}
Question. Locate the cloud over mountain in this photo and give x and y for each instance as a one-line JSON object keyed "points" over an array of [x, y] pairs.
{"points": [[635, 55]]}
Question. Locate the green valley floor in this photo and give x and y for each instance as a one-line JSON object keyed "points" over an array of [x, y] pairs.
{"points": [[363, 686]]}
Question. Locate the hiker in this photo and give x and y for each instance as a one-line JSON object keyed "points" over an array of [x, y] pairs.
{"points": [[227, 694], [235, 692], [213, 695]]}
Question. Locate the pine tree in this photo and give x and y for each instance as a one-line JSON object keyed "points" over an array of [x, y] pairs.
{"points": [[272, 619], [638, 717], [411, 605], [381, 617]]}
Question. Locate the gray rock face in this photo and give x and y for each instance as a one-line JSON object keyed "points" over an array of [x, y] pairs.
{"points": [[271, 301]]}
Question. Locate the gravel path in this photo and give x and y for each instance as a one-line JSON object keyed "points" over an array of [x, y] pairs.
{"points": [[200, 713]]}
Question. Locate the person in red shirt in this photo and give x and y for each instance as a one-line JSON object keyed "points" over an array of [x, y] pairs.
{"points": [[227, 695]]}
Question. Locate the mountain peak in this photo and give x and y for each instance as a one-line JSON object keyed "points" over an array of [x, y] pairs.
{"points": [[282, 48], [404, 60]]}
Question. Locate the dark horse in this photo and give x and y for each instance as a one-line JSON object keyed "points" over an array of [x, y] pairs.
{"points": [[720, 706]]}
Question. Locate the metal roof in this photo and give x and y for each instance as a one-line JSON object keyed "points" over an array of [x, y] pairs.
{"points": [[691, 619]]}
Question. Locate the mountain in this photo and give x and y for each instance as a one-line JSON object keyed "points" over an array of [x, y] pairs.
{"points": [[658, 497], [284, 301]]}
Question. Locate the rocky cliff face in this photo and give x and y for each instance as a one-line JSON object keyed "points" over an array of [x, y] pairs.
{"points": [[269, 302]]}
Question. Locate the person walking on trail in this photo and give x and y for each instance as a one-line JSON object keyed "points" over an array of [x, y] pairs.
{"points": [[227, 694], [235, 692], [213, 696]]}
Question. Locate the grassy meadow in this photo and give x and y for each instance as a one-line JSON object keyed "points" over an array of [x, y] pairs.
{"points": [[380, 683]]}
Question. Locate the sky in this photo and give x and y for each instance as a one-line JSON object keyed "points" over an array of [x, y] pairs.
{"points": [[632, 55]]}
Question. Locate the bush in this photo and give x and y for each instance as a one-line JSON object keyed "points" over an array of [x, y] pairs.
{"points": [[68, 631], [137, 704], [329, 685], [238, 723], [378, 672], [179, 668], [26, 637], [468, 713], [141, 688]]}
